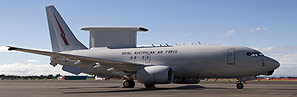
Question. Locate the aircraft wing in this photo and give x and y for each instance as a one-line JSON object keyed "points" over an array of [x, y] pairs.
{"points": [[125, 66]]}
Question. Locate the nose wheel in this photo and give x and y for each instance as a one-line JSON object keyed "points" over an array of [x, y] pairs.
{"points": [[239, 85], [128, 83]]}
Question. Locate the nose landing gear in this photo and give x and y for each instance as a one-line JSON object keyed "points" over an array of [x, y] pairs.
{"points": [[241, 80]]}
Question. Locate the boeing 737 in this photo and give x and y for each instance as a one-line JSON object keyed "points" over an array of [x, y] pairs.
{"points": [[113, 53]]}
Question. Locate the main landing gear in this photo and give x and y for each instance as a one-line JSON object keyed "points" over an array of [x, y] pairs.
{"points": [[129, 83], [239, 85]]}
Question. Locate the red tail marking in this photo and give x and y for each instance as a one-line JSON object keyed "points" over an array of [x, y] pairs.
{"points": [[62, 32]]}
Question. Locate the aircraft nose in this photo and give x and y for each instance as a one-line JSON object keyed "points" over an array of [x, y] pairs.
{"points": [[273, 63]]}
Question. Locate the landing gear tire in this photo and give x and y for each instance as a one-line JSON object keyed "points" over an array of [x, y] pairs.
{"points": [[239, 86], [149, 85], [128, 84]]}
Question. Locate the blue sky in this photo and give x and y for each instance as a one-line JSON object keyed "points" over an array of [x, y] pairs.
{"points": [[268, 25]]}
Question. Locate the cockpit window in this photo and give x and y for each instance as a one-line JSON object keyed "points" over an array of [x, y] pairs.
{"points": [[254, 54]]}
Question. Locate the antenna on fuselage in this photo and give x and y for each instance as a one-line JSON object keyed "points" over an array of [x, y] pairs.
{"points": [[258, 78], [199, 43], [229, 80]]}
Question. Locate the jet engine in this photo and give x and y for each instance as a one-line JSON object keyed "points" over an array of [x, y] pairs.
{"points": [[154, 75], [190, 80]]}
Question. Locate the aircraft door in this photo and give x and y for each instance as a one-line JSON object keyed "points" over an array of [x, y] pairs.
{"points": [[147, 58], [231, 57]]}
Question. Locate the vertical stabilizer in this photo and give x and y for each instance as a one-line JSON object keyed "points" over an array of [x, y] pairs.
{"points": [[62, 38]]}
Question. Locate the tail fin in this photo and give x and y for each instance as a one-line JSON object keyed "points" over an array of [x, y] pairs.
{"points": [[62, 38]]}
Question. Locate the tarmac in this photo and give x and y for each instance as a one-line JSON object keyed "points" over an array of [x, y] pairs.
{"points": [[93, 88]]}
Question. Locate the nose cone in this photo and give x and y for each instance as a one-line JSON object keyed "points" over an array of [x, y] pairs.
{"points": [[273, 64]]}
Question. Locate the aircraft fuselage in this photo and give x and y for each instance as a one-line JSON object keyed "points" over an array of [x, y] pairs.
{"points": [[205, 61]]}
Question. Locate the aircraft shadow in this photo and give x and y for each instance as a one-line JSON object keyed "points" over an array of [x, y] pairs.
{"points": [[285, 89], [89, 87], [188, 87]]}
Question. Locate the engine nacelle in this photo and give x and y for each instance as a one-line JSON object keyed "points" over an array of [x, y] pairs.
{"points": [[186, 80], [155, 75]]}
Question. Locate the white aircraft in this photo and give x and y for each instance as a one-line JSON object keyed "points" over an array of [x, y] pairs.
{"points": [[113, 53]]}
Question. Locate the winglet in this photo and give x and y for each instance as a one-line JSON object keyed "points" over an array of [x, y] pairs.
{"points": [[12, 48]]}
